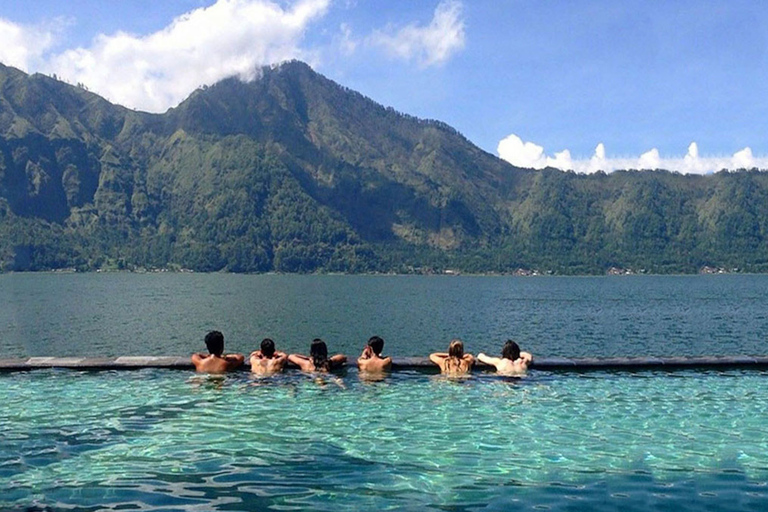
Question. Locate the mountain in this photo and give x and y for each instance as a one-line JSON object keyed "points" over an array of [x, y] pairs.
{"points": [[293, 172]]}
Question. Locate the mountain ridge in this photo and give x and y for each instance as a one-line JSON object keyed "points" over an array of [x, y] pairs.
{"points": [[294, 172]]}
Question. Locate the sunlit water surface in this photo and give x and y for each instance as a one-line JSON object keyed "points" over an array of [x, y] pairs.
{"points": [[174, 440]]}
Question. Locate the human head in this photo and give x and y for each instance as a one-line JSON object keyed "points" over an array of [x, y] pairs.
{"points": [[267, 347], [456, 349], [318, 352], [510, 351], [214, 341], [376, 344]]}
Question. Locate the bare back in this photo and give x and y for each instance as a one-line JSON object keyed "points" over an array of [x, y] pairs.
{"points": [[216, 364], [453, 365], [306, 364], [374, 364], [268, 365], [507, 366]]}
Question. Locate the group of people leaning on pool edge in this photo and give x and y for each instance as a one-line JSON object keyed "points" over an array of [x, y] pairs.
{"points": [[268, 360]]}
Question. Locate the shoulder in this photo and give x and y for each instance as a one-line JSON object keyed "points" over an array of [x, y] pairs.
{"points": [[199, 360], [234, 360]]}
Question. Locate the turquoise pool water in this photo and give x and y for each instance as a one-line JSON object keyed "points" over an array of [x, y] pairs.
{"points": [[173, 440]]}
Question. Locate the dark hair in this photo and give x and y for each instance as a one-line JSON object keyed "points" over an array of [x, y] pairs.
{"points": [[510, 351], [267, 347], [318, 352], [456, 349], [376, 344], [214, 341], [455, 354]]}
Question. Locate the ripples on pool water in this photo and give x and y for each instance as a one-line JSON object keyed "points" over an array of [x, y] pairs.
{"points": [[174, 440]]}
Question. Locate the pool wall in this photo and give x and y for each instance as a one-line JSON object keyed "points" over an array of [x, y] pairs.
{"points": [[398, 363]]}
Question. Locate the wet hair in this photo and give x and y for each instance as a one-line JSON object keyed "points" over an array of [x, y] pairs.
{"points": [[456, 349], [376, 344], [455, 355], [510, 351], [214, 341], [267, 347], [318, 352]]}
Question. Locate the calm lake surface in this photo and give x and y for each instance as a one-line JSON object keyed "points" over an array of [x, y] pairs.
{"points": [[112, 314]]}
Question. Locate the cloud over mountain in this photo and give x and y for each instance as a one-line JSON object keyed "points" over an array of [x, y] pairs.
{"points": [[154, 72], [428, 45], [530, 155]]}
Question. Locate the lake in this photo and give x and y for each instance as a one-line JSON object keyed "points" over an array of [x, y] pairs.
{"points": [[112, 314]]}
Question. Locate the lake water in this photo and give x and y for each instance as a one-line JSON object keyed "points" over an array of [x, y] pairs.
{"points": [[112, 314]]}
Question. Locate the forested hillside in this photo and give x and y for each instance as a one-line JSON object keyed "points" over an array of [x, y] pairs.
{"points": [[295, 173]]}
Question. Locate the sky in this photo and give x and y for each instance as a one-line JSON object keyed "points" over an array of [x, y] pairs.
{"points": [[581, 85]]}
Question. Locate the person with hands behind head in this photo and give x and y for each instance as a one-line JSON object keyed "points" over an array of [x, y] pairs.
{"points": [[318, 360], [511, 362], [370, 361], [215, 361], [267, 360], [455, 361]]}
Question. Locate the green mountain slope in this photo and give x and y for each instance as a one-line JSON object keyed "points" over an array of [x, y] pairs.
{"points": [[293, 172]]}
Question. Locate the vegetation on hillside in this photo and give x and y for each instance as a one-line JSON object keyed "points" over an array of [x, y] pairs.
{"points": [[294, 173]]}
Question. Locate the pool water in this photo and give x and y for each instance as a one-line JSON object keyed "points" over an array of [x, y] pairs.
{"points": [[174, 440]]}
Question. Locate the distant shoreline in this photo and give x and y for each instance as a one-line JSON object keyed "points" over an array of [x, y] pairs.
{"points": [[706, 271]]}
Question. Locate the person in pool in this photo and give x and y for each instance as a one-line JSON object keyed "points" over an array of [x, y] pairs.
{"points": [[318, 360], [267, 360], [511, 362], [455, 362], [370, 360], [215, 361]]}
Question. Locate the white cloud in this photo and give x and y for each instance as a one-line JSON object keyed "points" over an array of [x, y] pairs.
{"points": [[649, 160], [743, 158], [522, 154], [157, 71], [428, 45], [530, 155], [23, 46], [229, 38]]}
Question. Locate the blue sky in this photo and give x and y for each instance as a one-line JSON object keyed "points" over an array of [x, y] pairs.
{"points": [[580, 84]]}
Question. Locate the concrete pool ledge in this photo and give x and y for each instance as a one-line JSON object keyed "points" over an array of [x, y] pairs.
{"points": [[399, 363]]}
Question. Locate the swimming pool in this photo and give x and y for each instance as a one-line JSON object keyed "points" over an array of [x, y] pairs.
{"points": [[173, 440]]}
